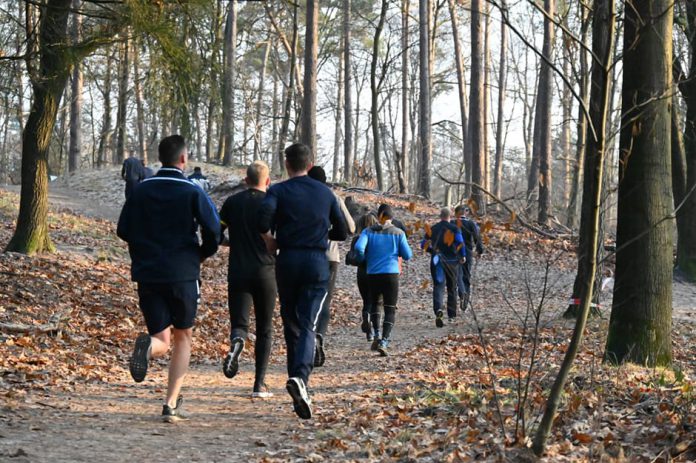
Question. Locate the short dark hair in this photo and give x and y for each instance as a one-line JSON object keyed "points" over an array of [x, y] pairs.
{"points": [[196, 169], [298, 157], [170, 149], [461, 209], [317, 173], [385, 211]]}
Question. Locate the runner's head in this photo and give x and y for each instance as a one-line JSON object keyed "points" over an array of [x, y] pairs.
{"points": [[366, 221], [317, 173], [298, 159], [445, 213], [258, 175], [172, 152], [385, 213], [461, 211]]}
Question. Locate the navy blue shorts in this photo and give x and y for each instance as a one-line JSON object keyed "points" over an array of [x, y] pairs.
{"points": [[169, 304]]}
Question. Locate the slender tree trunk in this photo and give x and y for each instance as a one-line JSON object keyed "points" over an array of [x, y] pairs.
{"points": [[259, 103], [543, 113], [567, 103], [576, 173], [424, 106], [348, 95], [461, 85], [476, 108], [139, 106], [486, 93], [502, 84], [289, 92], [641, 318], [405, 100], [75, 150], [275, 110], [230, 68], [121, 116], [374, 93], [309, 103], [105, 135], [337, 127], [603, 31], [31, 233]]}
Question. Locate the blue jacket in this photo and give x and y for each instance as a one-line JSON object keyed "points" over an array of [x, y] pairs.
{"points": [[437, 238], [159, 222], [302, 210], [381, 246]]}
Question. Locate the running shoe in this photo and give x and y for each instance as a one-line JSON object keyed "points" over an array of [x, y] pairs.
{"points": [[141, 355], [370, 336], [230, 366], [383, 347], [261, 392], [438, 320], [375, 343], [300, 397], [319, 355], [365, 326], [172, 415]]}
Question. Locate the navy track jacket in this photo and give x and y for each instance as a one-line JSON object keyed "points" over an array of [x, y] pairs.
{"points": [[159, 222], [302, 210]]}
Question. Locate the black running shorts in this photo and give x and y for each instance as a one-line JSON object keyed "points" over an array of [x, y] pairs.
{"points": [[169, 304]]}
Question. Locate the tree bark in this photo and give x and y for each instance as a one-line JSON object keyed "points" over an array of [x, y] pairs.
{"points": [[405, 100], [603, 31], [139, 106], [121, 135], [543, 112], [336, 175], [374, 94], [641, 317], [212, 117], [229, 70], [289, 95], [309, 102], [31, 233], [348, 95], [259, 103], [461, 85], [502, 84], [106, 132], [424, 102], [476, 107], [75, 149]]}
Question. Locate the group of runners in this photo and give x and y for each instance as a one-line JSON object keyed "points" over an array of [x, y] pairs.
{"points": [[283, 241]]}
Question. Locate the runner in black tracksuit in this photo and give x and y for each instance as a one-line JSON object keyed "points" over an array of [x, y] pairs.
{"points": [[251, 276], [445, 243], [472, 238], [302, 210], [159, 222], [133, 172]]}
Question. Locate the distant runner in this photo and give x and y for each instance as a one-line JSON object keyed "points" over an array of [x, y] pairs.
{"points": [[133, 173], [472, 238]]}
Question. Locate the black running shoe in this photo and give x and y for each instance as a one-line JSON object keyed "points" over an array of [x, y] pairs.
{"points": [[172, 415], [319, 355], [365, 326], [370, 336], [438, 320], [375, 343], [383, 347], [300, 397], [230, 366], [141, 356]]}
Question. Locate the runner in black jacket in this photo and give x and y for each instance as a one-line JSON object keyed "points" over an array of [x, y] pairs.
{"points": [[159, 222], [472, 239], [251, 276]]}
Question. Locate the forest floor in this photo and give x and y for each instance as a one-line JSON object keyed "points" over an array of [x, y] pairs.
{"points": [[470, 391]]}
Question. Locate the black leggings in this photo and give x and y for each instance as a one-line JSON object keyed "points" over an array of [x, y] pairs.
{"points": [[261, 290], [386, 286], [364, 288], [325, 314]]}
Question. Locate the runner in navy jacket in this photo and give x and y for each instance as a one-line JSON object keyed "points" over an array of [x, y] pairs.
{"points": [[302, 210], [159, 222]]}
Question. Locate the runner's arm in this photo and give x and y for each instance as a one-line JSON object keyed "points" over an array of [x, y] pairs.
{"points": [[209, 221]]}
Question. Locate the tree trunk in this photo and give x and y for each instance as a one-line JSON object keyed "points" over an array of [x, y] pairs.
{"points": [[486, 93], [139, 107], [502, 83], [106, 132], [567, 104], [75, 150], [121, 135], [404, 157], [543, 112], [374, 93], [641, 317], [424, 103], [476, 107], [229, 70], [259, 103], [289, 96], [348, 95], [686, 216], [31, 233], [461, 85], [576, 171], [275, 110], [336, 175], [309, 102]]}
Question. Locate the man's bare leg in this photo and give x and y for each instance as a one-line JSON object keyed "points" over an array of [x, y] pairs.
{"points": [[178, 365], [159, 343]]}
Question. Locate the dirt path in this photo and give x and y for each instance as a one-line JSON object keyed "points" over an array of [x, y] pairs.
{"points": [[117, 420]]}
